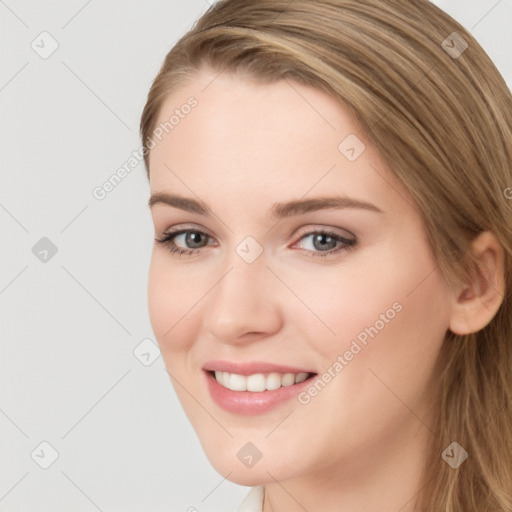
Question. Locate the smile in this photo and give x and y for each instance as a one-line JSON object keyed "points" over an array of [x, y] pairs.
{"points": [[259, 382], [253, 388]]}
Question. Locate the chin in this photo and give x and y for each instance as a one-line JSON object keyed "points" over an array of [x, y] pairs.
{"points": [[227, 459], [247, 478]]}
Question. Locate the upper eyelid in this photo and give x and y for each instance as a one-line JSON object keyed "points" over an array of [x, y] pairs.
{"points": [[300, 231], [331, 230], [193, 227]]}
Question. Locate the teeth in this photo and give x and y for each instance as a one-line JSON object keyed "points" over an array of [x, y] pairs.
{"points": [[273, 381], [258, 382], [236, 382], [288, 379], [301, 377]]}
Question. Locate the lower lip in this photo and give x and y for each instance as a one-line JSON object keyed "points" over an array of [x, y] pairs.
{"points": [[250, 403]]}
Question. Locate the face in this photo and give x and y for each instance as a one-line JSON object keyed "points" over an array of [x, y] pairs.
{"points": [[296, 254]]}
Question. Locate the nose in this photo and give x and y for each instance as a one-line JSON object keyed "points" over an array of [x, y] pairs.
{"points": [[244, 303]]}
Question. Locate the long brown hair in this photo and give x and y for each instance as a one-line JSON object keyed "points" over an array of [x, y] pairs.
{"points": [[440, 113]]}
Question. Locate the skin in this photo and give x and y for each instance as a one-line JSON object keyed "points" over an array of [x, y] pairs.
{"points": [[360, 443]]}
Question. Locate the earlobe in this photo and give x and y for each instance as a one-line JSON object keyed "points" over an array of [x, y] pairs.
{"points": [[476, 304]]}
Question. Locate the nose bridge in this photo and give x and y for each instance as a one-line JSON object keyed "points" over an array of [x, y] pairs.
{"points": [[240, 289], [241, 300]]}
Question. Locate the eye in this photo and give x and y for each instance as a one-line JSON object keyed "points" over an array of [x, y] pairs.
{"points": [[192, 239], [324, 243], [187, 242]]}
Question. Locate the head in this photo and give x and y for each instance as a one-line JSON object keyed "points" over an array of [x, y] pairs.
{"points": [[389, 275]]}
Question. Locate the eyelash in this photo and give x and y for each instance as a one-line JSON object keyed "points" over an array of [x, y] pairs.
{"points": [[167, 240]]}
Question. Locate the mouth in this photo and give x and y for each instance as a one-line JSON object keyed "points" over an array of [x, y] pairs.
{"points": [[251, 393], [259, 382]]}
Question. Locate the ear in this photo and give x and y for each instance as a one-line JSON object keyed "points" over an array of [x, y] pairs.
{"points": [[476, 304]]}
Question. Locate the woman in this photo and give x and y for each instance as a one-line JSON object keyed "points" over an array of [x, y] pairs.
{"points": [[331, 280]]}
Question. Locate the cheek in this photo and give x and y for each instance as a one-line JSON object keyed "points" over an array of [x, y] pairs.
{"points": [[389, 373], [393, 303], [390, 326], [171, 299]]}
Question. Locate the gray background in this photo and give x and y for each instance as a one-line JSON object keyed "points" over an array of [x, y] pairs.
{"points": [[70, 323]]}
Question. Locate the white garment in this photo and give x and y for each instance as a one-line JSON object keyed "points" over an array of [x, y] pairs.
{"points": [[253, 502]]}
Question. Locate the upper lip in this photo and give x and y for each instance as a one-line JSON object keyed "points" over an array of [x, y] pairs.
{"points": [[251, 367]]}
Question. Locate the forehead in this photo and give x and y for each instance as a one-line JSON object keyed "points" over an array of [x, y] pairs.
{"points": [[232, 112], [269, 139]]}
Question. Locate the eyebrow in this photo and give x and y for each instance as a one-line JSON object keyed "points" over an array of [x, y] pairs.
{"points": [[277, 211]]}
